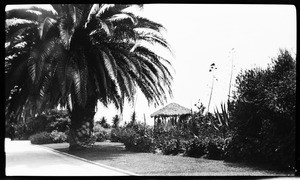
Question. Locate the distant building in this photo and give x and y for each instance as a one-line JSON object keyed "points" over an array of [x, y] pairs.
{"points": [[170, 115]]}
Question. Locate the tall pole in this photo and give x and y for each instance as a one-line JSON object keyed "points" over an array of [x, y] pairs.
{"points": [[212, 87], [232, 51]]}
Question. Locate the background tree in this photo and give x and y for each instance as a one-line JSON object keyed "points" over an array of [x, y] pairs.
{"points": [[264, 114], [116, 121], [78, 54], [103, 122], [133, 118]]}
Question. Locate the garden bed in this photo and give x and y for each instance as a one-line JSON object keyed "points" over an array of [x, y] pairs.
{"points": [[115, 155]]}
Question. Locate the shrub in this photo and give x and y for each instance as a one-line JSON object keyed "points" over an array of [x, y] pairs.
{"points": [[172, 146], [21, 131], [140, 144], [37, 124], [215, 148], [264, 114], [41, 138], [136, 138], [60, 124], [195, 147], [48, 122], [58, 137], [115, 135], [101, 136], [169, 147]]}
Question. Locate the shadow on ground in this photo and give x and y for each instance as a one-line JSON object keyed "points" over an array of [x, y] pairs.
{"points": [[259, 167], [100, 151], [114, 154]]}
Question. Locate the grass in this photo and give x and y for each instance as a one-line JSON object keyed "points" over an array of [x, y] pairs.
{"points": [[115, 155]]}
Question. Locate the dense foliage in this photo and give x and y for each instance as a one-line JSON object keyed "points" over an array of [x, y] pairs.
{"points": [[195, 136], [116, 121], [100, 133], [47, 138], [137, 137], [52, 120], [103, 122], [264, 114], [41, 138]]}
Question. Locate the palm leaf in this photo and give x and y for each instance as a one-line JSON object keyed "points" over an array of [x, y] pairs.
{"points": [[46, 26]]}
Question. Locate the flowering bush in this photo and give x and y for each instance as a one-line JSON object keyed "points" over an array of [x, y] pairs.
{"points": [[58, 137], [136, 137], [100, 133], [115, 135]]}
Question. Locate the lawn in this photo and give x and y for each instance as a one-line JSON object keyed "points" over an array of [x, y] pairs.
{"points": [[115, 155]]}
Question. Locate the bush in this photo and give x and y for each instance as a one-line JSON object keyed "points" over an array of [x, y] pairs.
{"points": [[58, 137], [100, 133], [140, 144], [264, 114], [21, 132], [47, 122], [172, 146], [137, 141], [195, 147], [101, 136], [136, 137], [215, 148], [115, 135], [37, 124], [60, 124], [41, 138]]}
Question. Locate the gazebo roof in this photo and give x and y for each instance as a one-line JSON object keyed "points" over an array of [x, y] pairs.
{"points": [[172, 109]]}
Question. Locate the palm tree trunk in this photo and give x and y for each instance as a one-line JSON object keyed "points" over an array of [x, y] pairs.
{"points": [[82, 123]]}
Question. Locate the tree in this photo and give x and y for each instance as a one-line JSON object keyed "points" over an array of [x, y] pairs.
{"points": [[78, 54], [264, 113], [133, 118], [103, 122], [116, 121]]}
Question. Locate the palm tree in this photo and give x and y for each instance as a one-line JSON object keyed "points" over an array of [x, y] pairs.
{"points": [[80, 54]]}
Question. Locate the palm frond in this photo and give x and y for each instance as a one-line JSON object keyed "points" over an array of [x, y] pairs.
{"points": [[121, 18], [146, 23], [46, 26]]}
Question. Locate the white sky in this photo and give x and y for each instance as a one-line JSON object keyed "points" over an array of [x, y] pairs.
{"points": [[203, 34]]}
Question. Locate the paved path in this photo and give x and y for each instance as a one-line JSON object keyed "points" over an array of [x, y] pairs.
{"points": [[25, 159]]}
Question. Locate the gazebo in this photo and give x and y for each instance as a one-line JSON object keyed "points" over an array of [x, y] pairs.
{"points": [[170, 114]]}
